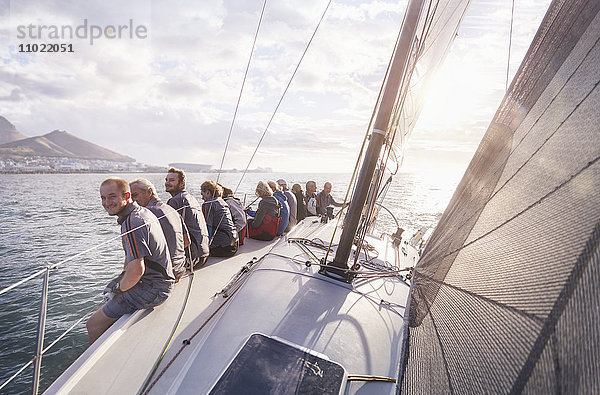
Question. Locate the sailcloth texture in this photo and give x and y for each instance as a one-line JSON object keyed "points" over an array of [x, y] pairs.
{"points": [[506, 297]]}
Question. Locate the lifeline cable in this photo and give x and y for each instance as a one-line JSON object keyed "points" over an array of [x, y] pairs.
{"points": [[56, 265]]}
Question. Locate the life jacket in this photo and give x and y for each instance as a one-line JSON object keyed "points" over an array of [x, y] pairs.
{"points": [[268, 228]]}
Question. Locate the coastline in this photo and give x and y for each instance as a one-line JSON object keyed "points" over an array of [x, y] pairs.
{"points": [[145, 171]]}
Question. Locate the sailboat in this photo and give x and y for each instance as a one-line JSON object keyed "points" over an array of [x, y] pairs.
{"points": [[504, 298]]}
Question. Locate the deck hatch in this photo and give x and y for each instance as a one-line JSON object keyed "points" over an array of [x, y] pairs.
{"points": [[265, 365]]}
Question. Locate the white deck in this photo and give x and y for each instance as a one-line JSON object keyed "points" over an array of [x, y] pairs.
{"points": [[280, 297]]}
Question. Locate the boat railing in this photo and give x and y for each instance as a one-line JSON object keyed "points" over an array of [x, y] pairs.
{"points": [[36, 360], [41, 325]]}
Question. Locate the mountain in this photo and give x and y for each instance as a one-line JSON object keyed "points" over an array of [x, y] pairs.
{"points": [[8, 132], [59, 144]]}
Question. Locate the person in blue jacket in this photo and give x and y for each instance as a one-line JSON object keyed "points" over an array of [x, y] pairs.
{"points": [[285, 209], [223, 234]]}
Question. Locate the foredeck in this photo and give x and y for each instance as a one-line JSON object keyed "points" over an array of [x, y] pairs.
{"points": [[359, 326]]}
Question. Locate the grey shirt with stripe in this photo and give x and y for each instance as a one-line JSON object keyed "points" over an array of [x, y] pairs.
{"points": [[191, 211], [142, 237]]}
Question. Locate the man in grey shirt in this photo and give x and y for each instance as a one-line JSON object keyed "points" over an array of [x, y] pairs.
{"points": [[147, 276], [191, 211], [143, 193]]}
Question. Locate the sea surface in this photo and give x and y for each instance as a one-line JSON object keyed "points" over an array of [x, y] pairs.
{"points": [[49, 219]]}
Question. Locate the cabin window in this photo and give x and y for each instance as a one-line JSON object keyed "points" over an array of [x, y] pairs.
{"points": [[268, 366]]}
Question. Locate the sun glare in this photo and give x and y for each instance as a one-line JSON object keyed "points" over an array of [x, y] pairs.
{"points": [[454, 95]]}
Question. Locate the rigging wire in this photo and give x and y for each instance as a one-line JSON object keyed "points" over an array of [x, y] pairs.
{"points": [[417, 51], [512, 15], [283, 95], [364, 143], [235, 115], [393, 126], [241, 90]]}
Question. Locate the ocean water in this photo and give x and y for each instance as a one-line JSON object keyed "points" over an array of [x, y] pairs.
{"points": [[58, 219]]}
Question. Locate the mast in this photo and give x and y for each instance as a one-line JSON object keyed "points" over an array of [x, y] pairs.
{"points": [[397, 71]]}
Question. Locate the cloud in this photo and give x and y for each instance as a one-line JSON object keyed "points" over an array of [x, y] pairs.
{"points": [[171, 96], [15, 95]]}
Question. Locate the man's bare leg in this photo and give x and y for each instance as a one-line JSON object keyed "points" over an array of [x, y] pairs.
{"points": [[97, 324]]}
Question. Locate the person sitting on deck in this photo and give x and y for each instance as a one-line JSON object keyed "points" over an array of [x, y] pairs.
{"points": [[324, 199], [265, 221], [237, 212], [223, 234], [300, 200], [311, 198], [291, 199], [195, 232], [285, 207], [143, 193], [147, 277]]}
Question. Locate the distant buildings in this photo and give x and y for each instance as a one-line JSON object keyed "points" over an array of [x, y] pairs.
{"points": [[46, 164], [52, 164], [192, 167], [201, 168]]}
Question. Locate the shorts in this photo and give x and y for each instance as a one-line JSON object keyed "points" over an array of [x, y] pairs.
{"points": [[142, 295]]}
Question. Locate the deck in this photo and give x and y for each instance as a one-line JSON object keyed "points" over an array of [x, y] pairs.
{"points": [[359, 326]]}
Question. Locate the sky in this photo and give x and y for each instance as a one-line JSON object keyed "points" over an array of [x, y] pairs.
{"points": [[166, 90]]}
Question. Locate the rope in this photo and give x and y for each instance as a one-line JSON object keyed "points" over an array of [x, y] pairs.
{"points": [[235, 112], [377, 301], [11, 378], [187, 342], [417, 50], [66, 332], [282, 96], [365, 377], [147, 388], [44, 351], [55, 266], [172, 336]]}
